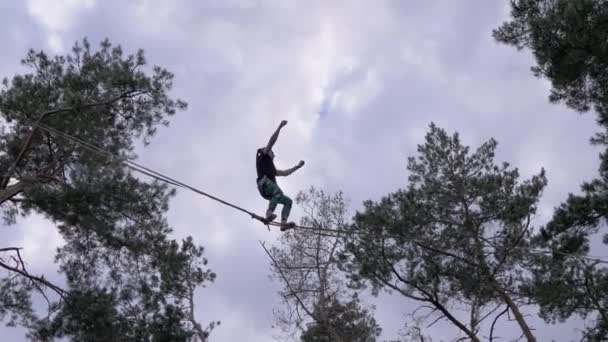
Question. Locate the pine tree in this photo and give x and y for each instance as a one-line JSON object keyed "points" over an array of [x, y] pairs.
{"points": [[124, 276], [458, 234]]}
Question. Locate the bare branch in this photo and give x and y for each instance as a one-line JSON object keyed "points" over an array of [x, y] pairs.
{"points": [[495, 320], [308, 312], [424, 307], [6, 249], [489, 314], [429, 298], [41, 280], [435, 321], [19, 263]]}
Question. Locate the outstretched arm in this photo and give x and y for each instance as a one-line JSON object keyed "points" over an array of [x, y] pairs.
{"points": [[274, 137], [290, 171]]}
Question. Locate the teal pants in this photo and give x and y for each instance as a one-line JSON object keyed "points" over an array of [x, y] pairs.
{"points": [[271, 191]]}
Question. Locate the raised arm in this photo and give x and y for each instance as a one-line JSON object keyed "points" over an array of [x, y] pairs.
{"points": [[274, 137], [290, 171]]}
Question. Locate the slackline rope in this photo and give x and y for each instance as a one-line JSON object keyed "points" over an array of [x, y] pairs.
{"points": [[164, 178]]}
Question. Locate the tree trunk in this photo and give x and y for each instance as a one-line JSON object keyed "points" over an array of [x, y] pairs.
{"points": [[199, 330], [322, 305], [518, 316], [322, 302], [454, 321], [46, 175], [501, 292], [474, 315], [11, 191]]}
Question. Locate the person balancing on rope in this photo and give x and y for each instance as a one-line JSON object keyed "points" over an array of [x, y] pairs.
{"points": [[267, 183]]}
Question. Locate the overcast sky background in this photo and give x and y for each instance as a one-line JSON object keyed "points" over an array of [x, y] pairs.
{"points": [[359, 83]]}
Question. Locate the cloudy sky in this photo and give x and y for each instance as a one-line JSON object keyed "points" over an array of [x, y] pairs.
{"points": [[359, 83]]}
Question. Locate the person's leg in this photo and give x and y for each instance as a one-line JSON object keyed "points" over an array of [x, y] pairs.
{"points": [[276, 196], [279, 197], [265, 190], [286, 202]]}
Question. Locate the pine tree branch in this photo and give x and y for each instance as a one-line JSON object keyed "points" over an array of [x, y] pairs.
{"points": [[401, 279], [6, 178], [430, 298], [594, 299], [585, 337], [443, 252], [512, 247]]}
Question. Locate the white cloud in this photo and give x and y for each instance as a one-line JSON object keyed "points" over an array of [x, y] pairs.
{"points": [[57, 17], [155, 15], [355, 97], [55, 43], [379, 74], [39, 241]]}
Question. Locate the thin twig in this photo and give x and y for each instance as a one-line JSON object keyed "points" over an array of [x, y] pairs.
{"points": [[495, 320], [6, 249], [308, 312], [435, 321], [41, 280]]}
